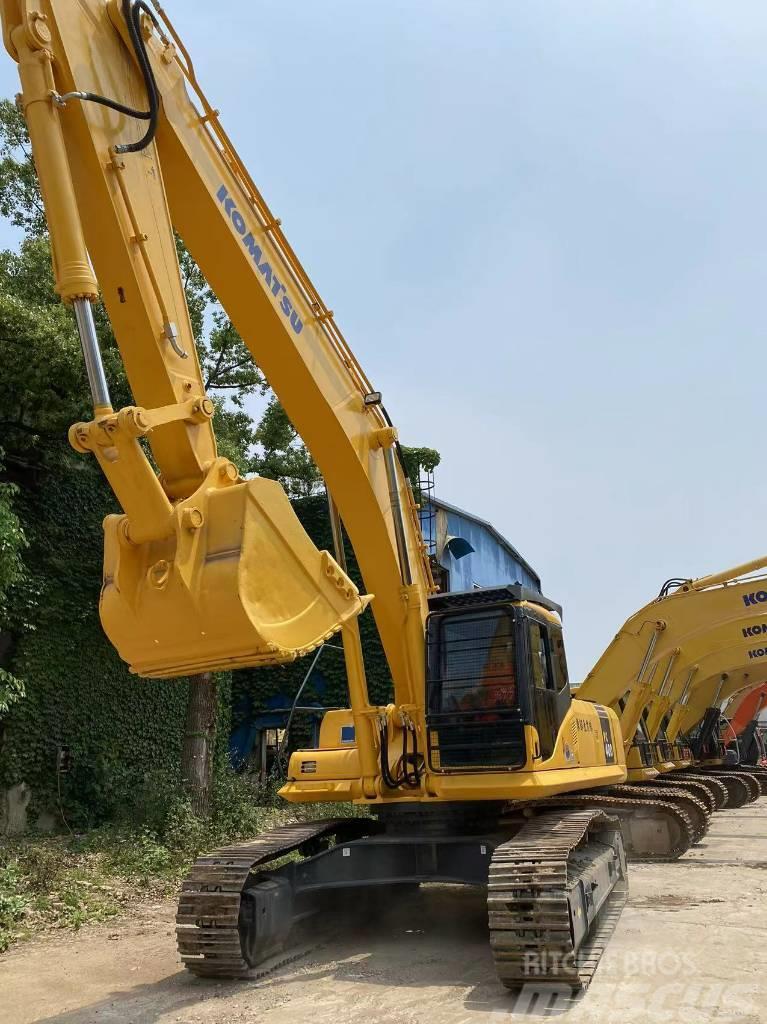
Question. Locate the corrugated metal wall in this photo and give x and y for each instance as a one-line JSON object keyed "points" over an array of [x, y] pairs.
{"points": [[491, 564]]}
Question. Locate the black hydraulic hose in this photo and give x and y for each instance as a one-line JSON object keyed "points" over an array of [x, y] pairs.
{"points": [[283, 745], [132, 13], [664, 590], [385, 773], [405, 775], [93, 97], [416, 754]]}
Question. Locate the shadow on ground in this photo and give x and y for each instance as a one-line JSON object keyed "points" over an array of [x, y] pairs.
{"points": [[435, 937]]}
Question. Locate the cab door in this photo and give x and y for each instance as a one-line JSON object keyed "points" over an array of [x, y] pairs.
{"points": [[550, 690]]}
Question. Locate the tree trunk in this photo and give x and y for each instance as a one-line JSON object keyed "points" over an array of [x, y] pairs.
{"points": [[199, 741]]}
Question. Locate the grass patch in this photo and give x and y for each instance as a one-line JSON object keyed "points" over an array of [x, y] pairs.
{"points": [[49, 882]]}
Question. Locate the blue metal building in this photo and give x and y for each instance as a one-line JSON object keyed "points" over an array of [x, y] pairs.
{"points": [[469, 551]]}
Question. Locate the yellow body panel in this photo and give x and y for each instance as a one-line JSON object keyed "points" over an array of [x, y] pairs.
{"points": [[582, 758], [637, 770]]}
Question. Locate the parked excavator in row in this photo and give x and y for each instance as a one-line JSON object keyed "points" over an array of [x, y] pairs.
{"points": [[483, 769], [667, 672], [744, 731]]}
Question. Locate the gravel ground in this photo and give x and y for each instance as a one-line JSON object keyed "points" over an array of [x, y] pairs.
{"points": [[690, 946]]}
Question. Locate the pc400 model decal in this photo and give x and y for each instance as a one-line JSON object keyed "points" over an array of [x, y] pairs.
{"points": [[263, 266], [607, 734]]}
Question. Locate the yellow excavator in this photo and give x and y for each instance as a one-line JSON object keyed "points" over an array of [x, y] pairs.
{"points": [[667, 671], [702, 721], [483, 769]]}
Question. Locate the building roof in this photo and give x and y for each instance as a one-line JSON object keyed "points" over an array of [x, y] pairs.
{"points": [[439, 503]]}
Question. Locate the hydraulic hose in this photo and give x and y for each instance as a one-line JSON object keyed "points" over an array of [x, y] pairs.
{"points": [[132, 10], [405, 776]]}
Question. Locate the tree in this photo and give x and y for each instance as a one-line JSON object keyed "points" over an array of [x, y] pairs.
{"points": [[199, 742], [42, 388], [418, 461], [20, 199], [282, 455]]}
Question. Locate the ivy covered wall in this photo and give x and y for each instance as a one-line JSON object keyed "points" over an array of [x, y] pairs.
{"points": [[122, 734], [80, 697]]}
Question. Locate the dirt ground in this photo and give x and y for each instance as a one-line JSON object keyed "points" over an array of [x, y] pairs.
{"points": [[691, 945]]}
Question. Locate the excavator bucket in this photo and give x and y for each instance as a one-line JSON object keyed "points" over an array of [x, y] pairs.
{"points": [[237, 583]]}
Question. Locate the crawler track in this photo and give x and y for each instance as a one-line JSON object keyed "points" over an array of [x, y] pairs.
{"points": [[715, 787], [746, 776], [640, 844], [208, 931], [703, 792], [738, 790], [759, 773], [695, 808], [531, 934]]}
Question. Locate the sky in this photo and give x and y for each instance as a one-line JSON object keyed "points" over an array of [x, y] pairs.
{"points": [[542, 227]]}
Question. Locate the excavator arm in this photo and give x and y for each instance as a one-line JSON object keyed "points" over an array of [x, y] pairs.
{"points": [[745, 707], [198, 568]]}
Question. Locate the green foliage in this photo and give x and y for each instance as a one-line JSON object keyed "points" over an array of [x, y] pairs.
{"points": [[79, 694], [55, 883], [227, 363], [43, 385], [20, 199], [282, 455], [234, 434], [65, 882], [12, 540], [11, 690], [418, 460], [14, 902]]}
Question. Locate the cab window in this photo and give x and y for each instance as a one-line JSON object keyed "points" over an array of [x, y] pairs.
{"points": [[559, 660], [477, 667], [543, 677]]}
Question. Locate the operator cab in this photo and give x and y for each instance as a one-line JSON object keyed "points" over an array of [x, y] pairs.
{"points": [[495, 663]]}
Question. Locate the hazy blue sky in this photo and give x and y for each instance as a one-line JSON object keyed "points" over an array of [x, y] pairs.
{"points": [[541, 225]]}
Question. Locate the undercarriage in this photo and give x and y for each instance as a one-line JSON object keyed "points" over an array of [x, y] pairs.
{"points": [[556, 884]]}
